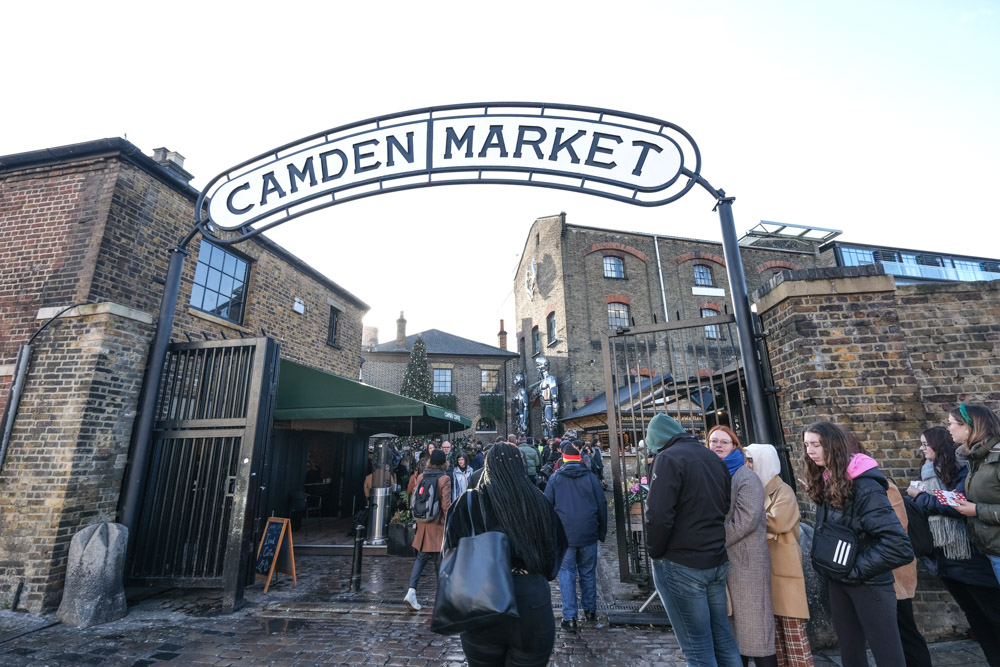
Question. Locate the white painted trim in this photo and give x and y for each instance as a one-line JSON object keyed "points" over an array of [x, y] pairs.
{"points": [[7, 370], [698, 290], [105, 308], [208, 317]]}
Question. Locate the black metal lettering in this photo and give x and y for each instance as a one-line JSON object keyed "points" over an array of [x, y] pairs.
{"points": [[407, 154], [323, 161], [646, 146], [558, 145], [229, 201], [494, 140], [450, 138], [522, 141], [359, 156], [294, 174], [271, 185], [596, 148]]}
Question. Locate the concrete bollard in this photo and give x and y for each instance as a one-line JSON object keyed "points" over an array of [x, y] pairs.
{"points": [[94, 592], [359, 547]]}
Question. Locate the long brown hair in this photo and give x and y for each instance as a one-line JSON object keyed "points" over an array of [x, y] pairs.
{"points": [[830, 483], [985, 426]]}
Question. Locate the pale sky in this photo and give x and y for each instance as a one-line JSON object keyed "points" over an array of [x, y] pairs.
{"points": [[876, 118]]}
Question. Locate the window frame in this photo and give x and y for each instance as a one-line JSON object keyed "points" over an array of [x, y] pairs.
{"points": [[712, 331], [619, 262], [435, 382], [536, 341], [550, 327], [486, 373], [333, 327], [700, 272], [202, 286], [613, 318]]}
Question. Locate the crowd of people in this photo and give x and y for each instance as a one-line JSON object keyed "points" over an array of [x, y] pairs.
{"points": [[720, 521]]}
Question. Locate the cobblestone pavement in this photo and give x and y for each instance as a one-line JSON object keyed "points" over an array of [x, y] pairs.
{"points": [[320, 622]]}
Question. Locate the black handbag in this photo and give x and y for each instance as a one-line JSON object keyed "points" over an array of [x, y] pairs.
{"points": [[834, 548], [475, 584]]}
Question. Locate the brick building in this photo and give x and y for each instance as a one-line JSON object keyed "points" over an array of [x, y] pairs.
{"points": [[84, 237], [575, 283], [463, 368]]}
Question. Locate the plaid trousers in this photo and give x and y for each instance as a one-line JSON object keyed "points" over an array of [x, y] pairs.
{"points": [[792, 642]]}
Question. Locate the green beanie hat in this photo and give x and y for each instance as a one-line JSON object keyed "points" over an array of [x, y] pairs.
{"points": [[661, 429]]}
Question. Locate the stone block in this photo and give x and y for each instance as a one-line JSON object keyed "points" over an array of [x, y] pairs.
{"points": [[95, 591]]}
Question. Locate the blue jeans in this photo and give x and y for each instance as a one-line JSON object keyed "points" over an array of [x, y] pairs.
{"points": [[695, 601], [582, 561], [995, 562]]}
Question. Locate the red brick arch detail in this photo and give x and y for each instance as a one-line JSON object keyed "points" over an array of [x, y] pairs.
{"points": [[618, 298], [778, 264], [702, 256], [711, 305], [621, 247]]}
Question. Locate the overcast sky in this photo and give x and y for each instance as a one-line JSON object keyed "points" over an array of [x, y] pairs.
{"points": [[876, 118]]}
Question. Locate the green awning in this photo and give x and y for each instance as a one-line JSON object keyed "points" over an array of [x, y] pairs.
{"points": [[306, 393]]}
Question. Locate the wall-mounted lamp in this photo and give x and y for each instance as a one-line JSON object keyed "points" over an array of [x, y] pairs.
{"points": [[299, 306]]}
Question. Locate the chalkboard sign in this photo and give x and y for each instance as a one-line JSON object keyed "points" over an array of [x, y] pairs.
{"points": [[275, 552]]}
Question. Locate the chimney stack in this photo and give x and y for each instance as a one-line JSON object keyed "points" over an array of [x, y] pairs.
{"points": [[502, 337], [173, 162], [401, 332]]}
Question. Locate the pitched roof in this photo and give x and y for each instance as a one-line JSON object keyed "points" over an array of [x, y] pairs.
{"points": [[441, 343]]}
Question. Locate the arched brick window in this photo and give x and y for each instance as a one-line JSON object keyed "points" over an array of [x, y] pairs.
{"points": [[712, 330], [618, 315], [614, 267], [703, 276]]}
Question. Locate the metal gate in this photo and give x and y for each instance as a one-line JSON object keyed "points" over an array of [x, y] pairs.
{"points": [[210, 436], [692, 371]]}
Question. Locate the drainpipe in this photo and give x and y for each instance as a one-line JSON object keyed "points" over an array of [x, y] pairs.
{"points": [[659, 272], [16, 389]]}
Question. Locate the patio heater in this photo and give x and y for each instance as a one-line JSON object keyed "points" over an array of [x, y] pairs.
{"points": [[382, 452]]}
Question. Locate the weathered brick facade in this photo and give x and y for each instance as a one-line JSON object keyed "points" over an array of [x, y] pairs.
{"points": [[93, 224], [570, 282], [848, 345]]}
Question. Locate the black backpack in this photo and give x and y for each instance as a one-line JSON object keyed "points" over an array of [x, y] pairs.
{"points": [[426, 500]]}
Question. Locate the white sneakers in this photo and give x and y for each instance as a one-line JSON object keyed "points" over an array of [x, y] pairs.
{"points": [[410, 600]]}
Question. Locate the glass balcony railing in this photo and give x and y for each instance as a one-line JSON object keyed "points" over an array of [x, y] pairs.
{"points": [[937, 272]]}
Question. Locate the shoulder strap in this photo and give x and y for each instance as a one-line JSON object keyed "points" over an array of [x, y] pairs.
{"points": [[468, 503]]}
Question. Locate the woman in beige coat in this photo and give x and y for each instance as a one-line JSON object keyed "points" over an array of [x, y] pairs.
{"points": [[788, 586], [752, 617]]}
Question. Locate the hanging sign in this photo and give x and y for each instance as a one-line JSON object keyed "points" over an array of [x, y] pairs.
{"points": [[635, 159]]}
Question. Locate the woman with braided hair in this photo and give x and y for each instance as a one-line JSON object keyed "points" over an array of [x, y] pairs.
{"points": [[512, 505]]}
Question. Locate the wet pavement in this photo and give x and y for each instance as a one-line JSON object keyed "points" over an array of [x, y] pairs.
{"points": [[321, 622]]}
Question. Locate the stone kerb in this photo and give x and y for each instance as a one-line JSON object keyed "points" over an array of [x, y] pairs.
{"points": [[69, 446]]}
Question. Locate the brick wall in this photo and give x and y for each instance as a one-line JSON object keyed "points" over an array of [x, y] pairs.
{"points": [[847, 345], [64, 465]]}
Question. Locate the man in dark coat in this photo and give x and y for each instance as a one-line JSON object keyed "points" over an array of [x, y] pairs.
{"points": [[689, 492], [580, 503]]}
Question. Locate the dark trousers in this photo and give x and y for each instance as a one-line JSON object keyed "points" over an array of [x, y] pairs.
{"points": [[418, 565], [914, 647], [523, 642], [863, 613], [981, 606]]}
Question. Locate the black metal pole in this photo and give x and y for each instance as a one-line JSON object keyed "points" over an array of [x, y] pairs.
{"points": [[359, 548], [744, 324], [132, 494]]}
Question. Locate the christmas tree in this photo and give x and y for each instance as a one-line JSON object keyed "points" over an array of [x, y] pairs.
{"points": [[417, 380]]}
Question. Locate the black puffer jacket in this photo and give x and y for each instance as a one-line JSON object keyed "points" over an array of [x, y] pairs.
{"points": [[883, 545]]}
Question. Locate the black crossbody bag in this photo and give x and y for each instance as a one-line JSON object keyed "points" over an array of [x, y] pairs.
{"points": [[834, 547]]}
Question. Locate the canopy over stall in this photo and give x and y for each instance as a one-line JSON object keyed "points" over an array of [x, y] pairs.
{"points": [[309, 395]]}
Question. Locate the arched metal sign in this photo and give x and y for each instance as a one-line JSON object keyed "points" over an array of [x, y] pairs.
{"points": [[626, 157]]}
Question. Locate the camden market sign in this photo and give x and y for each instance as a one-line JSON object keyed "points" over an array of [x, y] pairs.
{"points": [[622, 156]]}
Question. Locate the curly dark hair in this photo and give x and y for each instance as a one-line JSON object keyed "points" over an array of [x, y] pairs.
{"points": [[524, 514], [945, 465], [830, 483]]}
